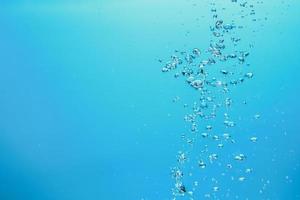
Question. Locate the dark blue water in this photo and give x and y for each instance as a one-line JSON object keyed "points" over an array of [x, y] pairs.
{"points": [[86, 113]]}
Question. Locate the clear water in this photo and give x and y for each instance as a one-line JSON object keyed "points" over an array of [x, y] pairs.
{"points": [[86, 112]]}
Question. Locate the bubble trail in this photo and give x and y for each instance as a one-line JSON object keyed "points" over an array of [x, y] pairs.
{"points": [[212, 72]]}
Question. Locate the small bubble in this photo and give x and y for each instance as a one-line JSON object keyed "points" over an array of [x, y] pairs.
{"points": [[197, 84], [175, 99], [213, 157], [249, 170], [224, 72], [226, 136], [249, 75], [176, 75], [181, 158], [196, 52], [215, 137], [215, 188], [201, 164], [196, 183], [253, 139], [256, 116], [240, 157], [229, 123], [204, 135], [181, 189]]}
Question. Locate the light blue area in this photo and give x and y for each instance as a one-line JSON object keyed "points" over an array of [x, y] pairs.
{"points": [[85, 112]]}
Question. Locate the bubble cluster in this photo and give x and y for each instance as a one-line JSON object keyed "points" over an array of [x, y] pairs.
{"points": [[212, 73]]}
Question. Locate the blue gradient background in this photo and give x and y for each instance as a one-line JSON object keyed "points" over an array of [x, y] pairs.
{"points": [[85, 112]]}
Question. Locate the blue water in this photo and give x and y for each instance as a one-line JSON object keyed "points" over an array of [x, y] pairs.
{"points": [[86, 113]]}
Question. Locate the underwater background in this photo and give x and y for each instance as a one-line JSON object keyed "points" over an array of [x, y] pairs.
{"points": [[86, 112]]}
